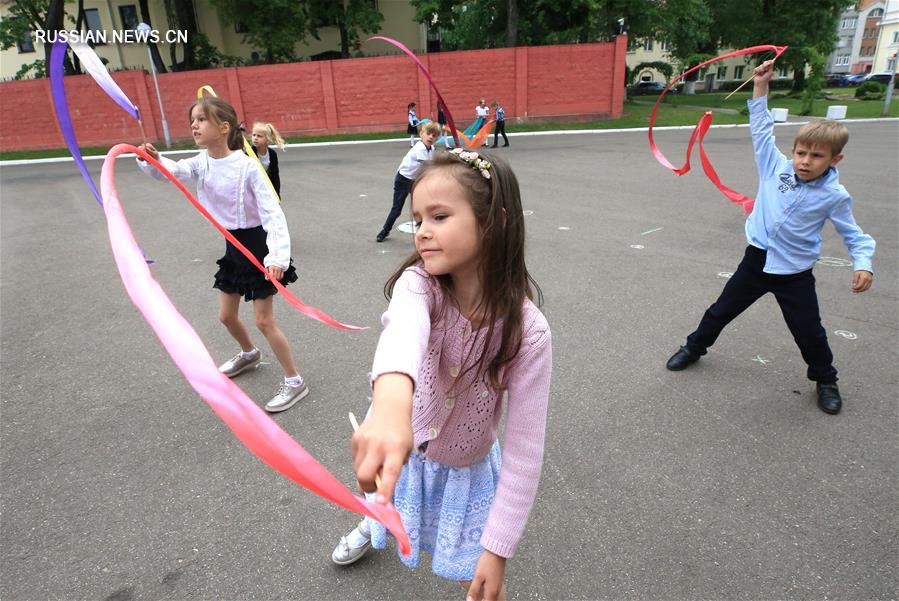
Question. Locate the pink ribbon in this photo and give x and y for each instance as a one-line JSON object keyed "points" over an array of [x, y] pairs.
{"points": [[256, 430], [702, 127], [409, 53]]}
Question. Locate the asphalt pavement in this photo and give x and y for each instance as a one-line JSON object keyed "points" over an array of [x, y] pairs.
{"points": [[721, 482]]}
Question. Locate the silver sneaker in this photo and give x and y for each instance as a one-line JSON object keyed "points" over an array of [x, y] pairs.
{"points": [[345, 552], [286, 397], [237, 364]]}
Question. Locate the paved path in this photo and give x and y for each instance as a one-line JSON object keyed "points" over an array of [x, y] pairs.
{"points": [[722, 482]]}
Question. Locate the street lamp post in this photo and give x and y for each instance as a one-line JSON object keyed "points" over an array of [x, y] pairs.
{"points": [[888, 97], [145, 29]]}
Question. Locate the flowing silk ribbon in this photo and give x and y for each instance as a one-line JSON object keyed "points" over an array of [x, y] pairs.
{"points": [[702, 126], [409, 53], [256, 430], [247, 147]]}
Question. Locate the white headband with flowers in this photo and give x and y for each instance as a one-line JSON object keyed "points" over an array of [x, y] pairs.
{"points": [[474, 160]]}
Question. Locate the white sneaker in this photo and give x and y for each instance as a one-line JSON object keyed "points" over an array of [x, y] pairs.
{"points": [[286, 397], [353, 546]]}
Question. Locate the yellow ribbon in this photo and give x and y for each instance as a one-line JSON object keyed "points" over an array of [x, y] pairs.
{"points": [[247, 147]]}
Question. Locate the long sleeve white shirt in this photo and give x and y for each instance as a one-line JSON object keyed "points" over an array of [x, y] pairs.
{"points": [[234, 191]]}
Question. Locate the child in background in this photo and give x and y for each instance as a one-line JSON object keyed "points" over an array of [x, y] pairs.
{"points": [[412, 123], [794, 200], [421, 152], [264, 135], [500, 113], [461, 333], [232, 187]]}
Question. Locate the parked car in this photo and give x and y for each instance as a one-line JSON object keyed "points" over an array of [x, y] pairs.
{"points": [[836, 80], [649, 88], [883, 78], [854, 80]]}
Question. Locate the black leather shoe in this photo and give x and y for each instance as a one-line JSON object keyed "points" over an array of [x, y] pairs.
{"points": [[382, 235], [504, 145], [829, 400], [682, 359]]}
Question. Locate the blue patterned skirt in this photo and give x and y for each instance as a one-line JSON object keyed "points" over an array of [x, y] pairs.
{"points": [[444, 510]]}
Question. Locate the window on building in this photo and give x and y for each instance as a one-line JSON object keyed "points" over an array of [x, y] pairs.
{"points": [[842, 60], [877, 12], [848, 23], [92, 23], [722, 73], [783, 71], [25, 44], [647, 45], [663, 46], [895, 37], [891, 65], [128, 16], [738, 71]]}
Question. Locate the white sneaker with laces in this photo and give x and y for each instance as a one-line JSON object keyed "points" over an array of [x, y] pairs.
{"points": [[286, 397], [353, 546]]}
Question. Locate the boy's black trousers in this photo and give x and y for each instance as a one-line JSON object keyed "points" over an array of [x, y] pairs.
{"points": [[795, 293]]}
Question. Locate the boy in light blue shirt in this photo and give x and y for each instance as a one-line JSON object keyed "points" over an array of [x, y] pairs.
{"points": [[795, 198]]}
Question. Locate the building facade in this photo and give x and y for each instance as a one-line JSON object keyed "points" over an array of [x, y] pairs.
{"points": [[885, 59], [114, 17]]}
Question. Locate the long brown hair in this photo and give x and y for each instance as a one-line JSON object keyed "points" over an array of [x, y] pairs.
{"points": [[218, 111], [505, 281]]}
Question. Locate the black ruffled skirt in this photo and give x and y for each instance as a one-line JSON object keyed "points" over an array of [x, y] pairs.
{"points": [[236, 275]]}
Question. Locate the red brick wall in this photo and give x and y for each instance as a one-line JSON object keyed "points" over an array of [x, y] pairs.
{"points": [[357, 95]]}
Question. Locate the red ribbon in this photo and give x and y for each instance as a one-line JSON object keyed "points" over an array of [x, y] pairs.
{"points": [[446, 111], [702, 127], [256, 430]]}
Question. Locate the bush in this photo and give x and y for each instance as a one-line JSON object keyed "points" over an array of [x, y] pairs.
{"points": [[869, 90]]}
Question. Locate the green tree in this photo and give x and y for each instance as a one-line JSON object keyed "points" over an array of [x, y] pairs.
{"points": [[26, 16], [685, 25], [274, 26], [351, 17], [472, 24], [181, 16], [799, 25]]}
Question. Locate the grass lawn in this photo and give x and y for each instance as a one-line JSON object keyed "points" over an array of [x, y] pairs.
{"points": [[856, 109], [675, 110]]}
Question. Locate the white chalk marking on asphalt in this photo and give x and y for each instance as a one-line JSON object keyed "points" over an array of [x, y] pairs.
{"points": [[363, 195], [651, 231], [527, 213], [834, 262], [724, 274], [762, 361], [407, 227], [846, 334], [637, 246], [564, 228]]}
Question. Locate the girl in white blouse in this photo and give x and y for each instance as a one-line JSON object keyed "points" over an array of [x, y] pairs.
{"points": [[233, 188]]}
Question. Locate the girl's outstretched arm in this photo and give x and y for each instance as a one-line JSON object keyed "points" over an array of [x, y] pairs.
{"points": [[383, 442]]}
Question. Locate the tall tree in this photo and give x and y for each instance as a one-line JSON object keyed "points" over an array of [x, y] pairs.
{"points": [[469, 24], [349, 16], [799, 25], [685, 26], [181, 16], [275, 26], [154, 49], [27, 16]]}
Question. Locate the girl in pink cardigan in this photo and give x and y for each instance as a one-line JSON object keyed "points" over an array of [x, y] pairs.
{"points": [[461, 334]]}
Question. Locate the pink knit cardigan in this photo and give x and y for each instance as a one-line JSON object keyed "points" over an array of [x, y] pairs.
{"points": [[460, 423]]}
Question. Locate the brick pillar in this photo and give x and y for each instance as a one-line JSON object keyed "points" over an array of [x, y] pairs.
{"points": [[233, 81], [143, 82], [617, 83], [521, 83], [330, 99], [424, 91]]}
